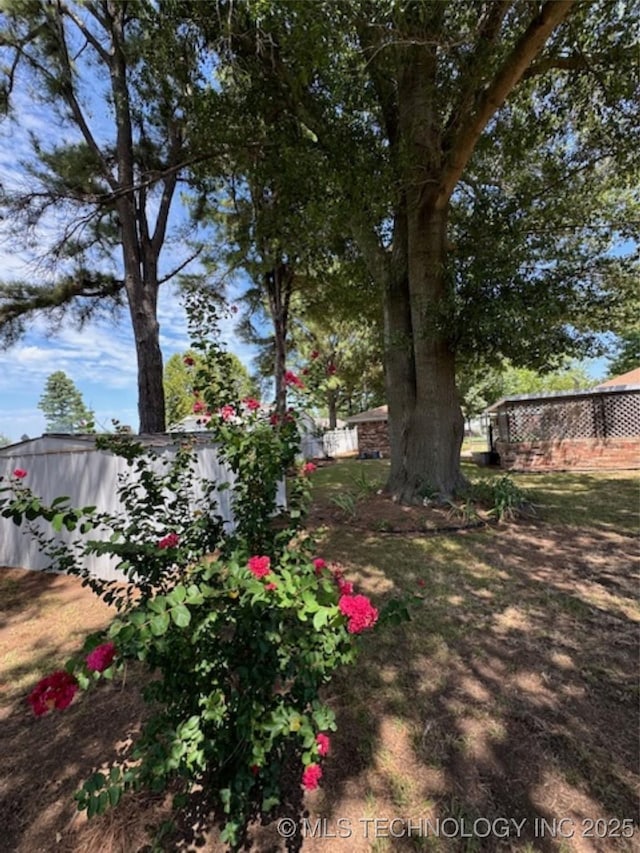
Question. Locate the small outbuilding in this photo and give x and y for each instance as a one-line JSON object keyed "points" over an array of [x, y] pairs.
{"points": [[593, 429], [373, 431]]}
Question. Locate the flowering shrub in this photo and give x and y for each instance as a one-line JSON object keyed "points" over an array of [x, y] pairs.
{"points": [[240, 631]]}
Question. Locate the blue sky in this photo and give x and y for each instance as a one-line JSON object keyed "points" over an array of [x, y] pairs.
{"points": [[100, 358]]}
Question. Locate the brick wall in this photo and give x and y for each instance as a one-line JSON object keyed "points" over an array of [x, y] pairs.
{"points": [[585, 454], [372, 436]]}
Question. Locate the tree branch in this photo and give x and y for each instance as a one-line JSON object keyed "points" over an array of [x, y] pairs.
{"points": [[528, 47]]}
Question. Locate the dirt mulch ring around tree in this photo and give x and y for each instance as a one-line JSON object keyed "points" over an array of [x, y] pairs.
{"points": [[524, 702], [378, 513]]}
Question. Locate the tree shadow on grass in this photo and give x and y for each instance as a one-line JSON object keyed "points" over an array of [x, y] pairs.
{"points": [[511, 694]]}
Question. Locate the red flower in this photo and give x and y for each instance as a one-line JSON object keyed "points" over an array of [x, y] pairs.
{"points": [[331, 369], [319, 564], [198, 407], [101, 657], [315, 354], [344, 587], [255, 769], [270, 586], [308, 468], [274, 419], [251, 403], [291, 379], [324, 744], [362, 614], [189, 360], [227, 412], [421, 582], [311, 776], [169, 541], [259, 566], [20, 473], [305, 372], [54, 691]]}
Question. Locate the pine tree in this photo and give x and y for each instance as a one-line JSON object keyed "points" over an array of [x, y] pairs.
{"points": [[63, 406]]}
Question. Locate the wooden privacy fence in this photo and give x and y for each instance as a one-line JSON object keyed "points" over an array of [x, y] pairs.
{"points": [[72, 466]]}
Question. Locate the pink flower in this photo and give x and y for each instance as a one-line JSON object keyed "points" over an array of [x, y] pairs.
{"points": [[198, 407], [311, 776], [291, 379], [259, 566], [227, 412], [318, 565], [251, 404], [20, 473], [362, 614], [101, 657], [308, 468], [270, 586], [169, 541], [189, 360], [54, 691], [344, 587], [324, 744]]}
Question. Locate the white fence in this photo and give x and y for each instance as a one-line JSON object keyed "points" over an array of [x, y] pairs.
{"points": [[65, 465], [335, 442]]}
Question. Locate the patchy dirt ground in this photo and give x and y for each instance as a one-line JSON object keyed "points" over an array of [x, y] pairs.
{"points": [[380, 514], [510, 699]]}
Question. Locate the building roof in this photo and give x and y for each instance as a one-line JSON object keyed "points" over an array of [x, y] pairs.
{"points": [[380, 413], [553, 395], [632, 377]]}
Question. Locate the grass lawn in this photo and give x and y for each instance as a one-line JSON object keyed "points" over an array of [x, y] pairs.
{"points": [[511, 695]]}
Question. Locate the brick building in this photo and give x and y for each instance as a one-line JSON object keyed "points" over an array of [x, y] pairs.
{"points": [[581, 430], [373, 434]]}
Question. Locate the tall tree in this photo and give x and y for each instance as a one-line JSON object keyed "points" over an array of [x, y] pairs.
{"points": [[63, 406], [118, 78], [412, 104]]}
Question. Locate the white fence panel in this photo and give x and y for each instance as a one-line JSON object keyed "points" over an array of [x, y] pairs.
{"points": [[89, 477], [337, 442]]}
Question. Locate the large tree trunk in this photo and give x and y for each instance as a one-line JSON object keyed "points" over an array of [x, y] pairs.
{"points": [[425, 420], [146, 330]]}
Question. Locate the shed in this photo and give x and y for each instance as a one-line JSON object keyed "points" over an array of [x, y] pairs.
{"points": [[373, 431], [592, 429], [71, 465]]}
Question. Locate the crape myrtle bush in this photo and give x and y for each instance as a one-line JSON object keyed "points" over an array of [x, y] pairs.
{"points": [[240, 630]]}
